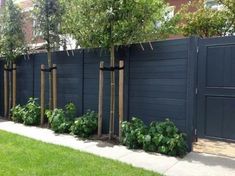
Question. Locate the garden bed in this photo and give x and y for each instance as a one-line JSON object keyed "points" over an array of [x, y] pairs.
{"points": [[161, 137]]}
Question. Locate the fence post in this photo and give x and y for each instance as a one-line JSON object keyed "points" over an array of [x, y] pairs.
{"points": [[121, 96], [5, 92], [54, 85], [101, 96], [14, 86], [42, 94]]}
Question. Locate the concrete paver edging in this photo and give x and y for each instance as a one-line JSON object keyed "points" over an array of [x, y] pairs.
{"points": [[194, 164]]}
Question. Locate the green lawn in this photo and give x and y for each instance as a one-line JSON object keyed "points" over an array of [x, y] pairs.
{"points": [[26, 157]]}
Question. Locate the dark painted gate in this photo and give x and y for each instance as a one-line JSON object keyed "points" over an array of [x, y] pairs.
{"points": [[216, 88]]}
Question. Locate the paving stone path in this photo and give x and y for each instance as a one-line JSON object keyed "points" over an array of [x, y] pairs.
{"points": [[215, 147]]}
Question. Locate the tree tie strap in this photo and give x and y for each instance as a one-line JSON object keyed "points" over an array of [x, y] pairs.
{"points": [[112, 68], [48, 69], [9, 69]]}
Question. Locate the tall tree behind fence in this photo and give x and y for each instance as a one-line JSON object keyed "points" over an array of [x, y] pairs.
{"points": [[158, 83]]}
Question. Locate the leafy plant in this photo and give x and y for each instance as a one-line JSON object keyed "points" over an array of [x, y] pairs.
{"points": [[161, 137], [48, 113], [31, 112], [103, 23], [206, 22], [133, 133], [229, 6], [62, 120], [165, 138], [12, 41], [85, 125], [17, 113], [70, 111], [58, 122]]}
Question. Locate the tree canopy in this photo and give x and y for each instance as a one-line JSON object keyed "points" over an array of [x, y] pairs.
{"points": [[12, 42], [101, 23], [204, 21], [47, 15], [229, 6]]}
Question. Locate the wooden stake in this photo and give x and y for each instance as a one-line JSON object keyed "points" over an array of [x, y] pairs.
{"points": [[54, 86], [49, 60], [112, 94], [121, 97], [42, 94], [14, 86], [5, 92], [9, 90], [101, 96]]}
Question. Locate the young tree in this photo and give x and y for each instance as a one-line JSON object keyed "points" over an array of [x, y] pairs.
{"points": [[12, 43], [111, 23], [47, 15], [204, 21]]}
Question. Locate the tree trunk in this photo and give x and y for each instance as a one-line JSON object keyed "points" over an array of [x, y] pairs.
{"points": [[112, 92], [49, 59]]}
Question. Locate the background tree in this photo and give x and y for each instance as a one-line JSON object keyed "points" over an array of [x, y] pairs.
{"points": [[204, 21], [12, 43], [111, 23], [229, 6], [47, 15]]}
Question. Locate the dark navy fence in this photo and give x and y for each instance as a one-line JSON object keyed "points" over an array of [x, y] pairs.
{"points": [[159, 81]]}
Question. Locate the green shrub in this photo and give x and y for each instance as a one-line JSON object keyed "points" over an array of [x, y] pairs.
{"points": [[62, 120], [57, 120], [165, 138], [70, 111], [31, 112], [85, 125], [17, 113], [133, 133]]}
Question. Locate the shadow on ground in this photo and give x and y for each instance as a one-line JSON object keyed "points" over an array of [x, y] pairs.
{"points": [[210, 160]]}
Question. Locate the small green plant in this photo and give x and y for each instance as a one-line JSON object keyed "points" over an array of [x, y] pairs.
{"points": [[17, 113], [58, 122], [133, 133], [85, 125], [62, 120], [165, 138], [70, 111], [31, 112]]}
